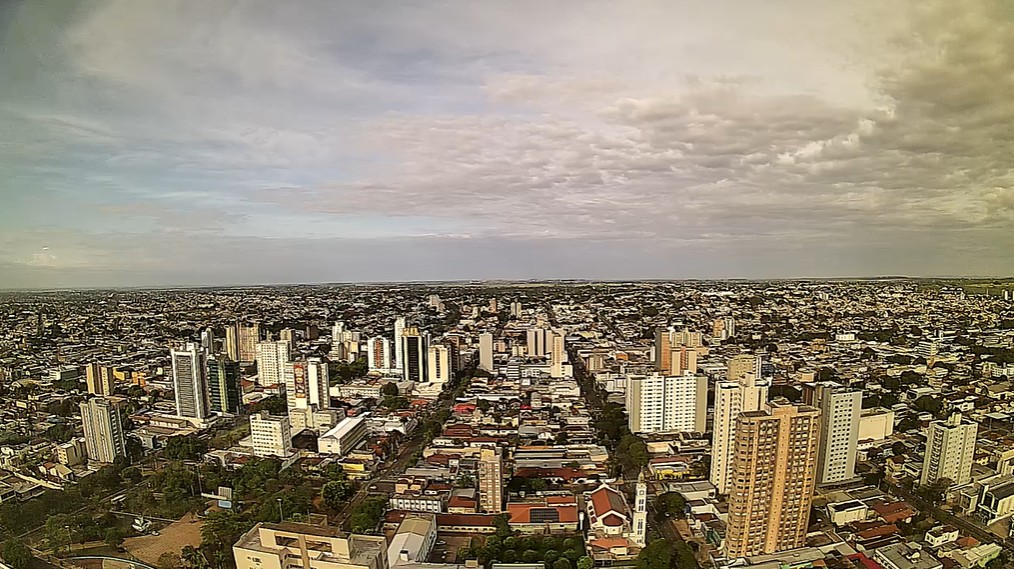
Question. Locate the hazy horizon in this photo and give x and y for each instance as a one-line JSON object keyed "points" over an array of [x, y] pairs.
{"points": [[185, 143]]}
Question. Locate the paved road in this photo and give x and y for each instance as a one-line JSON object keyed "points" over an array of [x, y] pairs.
{"points": [[975, 530]]}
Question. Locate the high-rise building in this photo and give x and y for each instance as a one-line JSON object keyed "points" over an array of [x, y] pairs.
{"points": [[535, 340], [190, 382], [557, 355], [413, 352], [102, 419], [232, 342], [307, 384], [682, 360], [659, 403], [486, 351], [950, 449], [747, 393], [663, 349], [100, 379], [490, 481], [249, 336], [773, 476], [639, 523], [493, 306], [399, 330], [687, 339], [288, 335], [378, 353], [293, 545], [271, 359], [271, 436], [439, 361], [224, 388], [840, 409], [742, 365], [516, 309], [208, 340]]}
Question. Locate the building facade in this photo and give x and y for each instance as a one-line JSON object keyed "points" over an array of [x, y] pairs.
{"points": [[950, 450], [747, 393], [664, 403], [271, 359], [100, 379], [293, 545], [271, 436], [439, 362], [190, 382], [840, 411], [773, 477], [102, 419], [224, 390], [413, 351], [490, 481]]}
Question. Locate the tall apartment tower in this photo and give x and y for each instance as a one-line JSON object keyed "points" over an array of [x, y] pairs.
{"points": [[840, 409], [486, 351], [208, 340], [535, 340], [639, 522], [102, 419], [557, 354], [378, 353], [773, 476], [100, 379], [950, 448], [232, 342], [224, 390], [682, 360], [747, 393], [248, 336], [490, 481], [663, 349], [439, 362], [271, 359], [307, 384], [742, 365], [190, 382], [399, 331], [666, 403], [271, 436], [687, 339], [413, 354]]}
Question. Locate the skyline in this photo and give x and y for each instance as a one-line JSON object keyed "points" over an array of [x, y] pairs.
{"points": [[221, 143]]}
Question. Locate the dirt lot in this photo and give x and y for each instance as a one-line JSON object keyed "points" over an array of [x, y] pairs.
{"points": [[173, 538]]}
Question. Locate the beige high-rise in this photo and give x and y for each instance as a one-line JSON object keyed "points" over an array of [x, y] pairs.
{"points": [[743, 392], [100, 379], [773, 476], [490, 481]]}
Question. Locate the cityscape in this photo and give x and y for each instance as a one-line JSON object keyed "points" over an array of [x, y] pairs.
{"points": [[860, 424]]}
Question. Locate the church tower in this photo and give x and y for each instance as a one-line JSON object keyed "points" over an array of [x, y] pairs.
{"points": [[640, 521]]}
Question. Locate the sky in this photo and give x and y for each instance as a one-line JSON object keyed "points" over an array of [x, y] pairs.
{"points": [[147, 143]]}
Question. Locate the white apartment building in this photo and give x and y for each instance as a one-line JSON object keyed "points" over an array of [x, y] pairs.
{"points": [[102, 419], [840, 411], [439, 362], [271, 436], [306, 384], [271, 360], [950, 448], [190, 382], [747, 393], [665, 403]]}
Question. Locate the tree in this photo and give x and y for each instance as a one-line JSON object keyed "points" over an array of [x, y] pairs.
{"points": [[585, 563], [16, 554], [530, 556], [671, 505], [655, 555], [538, 484], [59, 433], [169, 560], [274, 405], [562, 563], [550, 557], [899, 448], [335, 493], [184, 448], [684, 556], [390, 389], [219, 532]]}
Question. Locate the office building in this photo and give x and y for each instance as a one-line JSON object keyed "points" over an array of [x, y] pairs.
{"points": [[102, 419], [557, 355], [248, 336], [773, 476], [378, 354], [307, 384], [840, 411], [663, 403], [224, 389], [747, 393], [190, 382], [490, 481], [413, 353], [439, 362], [271, 436], [292, 545], [271, 359], [99, 379], [950, 449], [344, 437], [486, 351], [399, 331]]}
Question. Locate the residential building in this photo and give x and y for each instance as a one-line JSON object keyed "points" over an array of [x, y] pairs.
{"points": [[490, 481], [950, 448], [271, 359], [665, 403], [291, 545], [663, 349], [773, 477], [486, 351], [414, 539], [399, 356], [225, 392], [344, 437], [558, 355], [232, 342], [378, 354], [102, 419], [72, 452], [100, 379], [535, 340], [271, 436], [413, 351], [439, 362], [840, 411], [307, 384], [190, 383], [248, 338], [745, 393]]}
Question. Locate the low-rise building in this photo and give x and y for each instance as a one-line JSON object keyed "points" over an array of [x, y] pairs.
{"points": [[303, 546]]}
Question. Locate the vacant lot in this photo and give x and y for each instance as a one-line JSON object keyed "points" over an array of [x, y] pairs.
{"points": [[172, 539]]}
